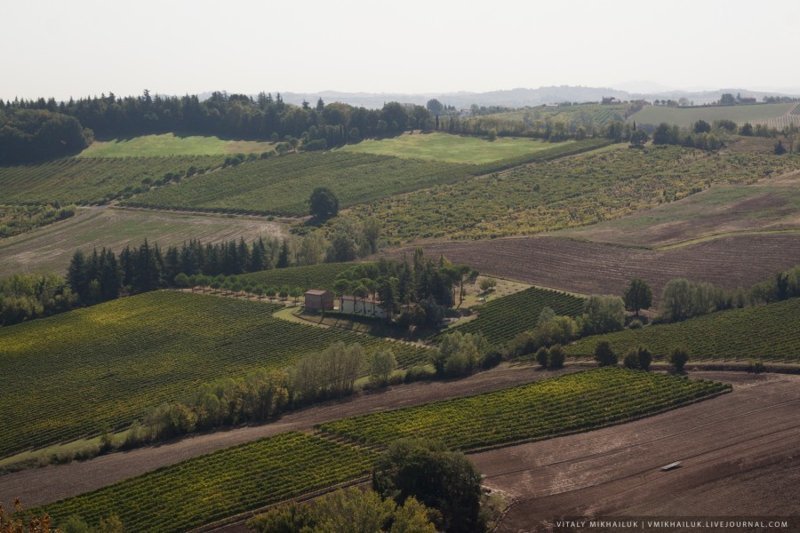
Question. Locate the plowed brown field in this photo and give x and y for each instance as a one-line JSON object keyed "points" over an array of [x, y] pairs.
{"points": [[597, 268]]}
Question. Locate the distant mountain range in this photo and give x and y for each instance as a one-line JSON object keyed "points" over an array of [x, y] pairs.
{"points": [[520, 97]]}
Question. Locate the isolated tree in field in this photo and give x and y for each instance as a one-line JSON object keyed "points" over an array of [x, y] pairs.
{"points": [[604, 355], [779, 148], [557, 357], [639, 138], [487, 284], [381, 365], [443, 480], [434, 106], [638, 296], [323, 203], [701, 126], [678, 359], [543, 356]]}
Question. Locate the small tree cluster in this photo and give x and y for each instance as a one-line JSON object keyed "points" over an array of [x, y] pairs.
{"points": [[352, 510], [459, 354], [638, 359], [602, 314], [604, 355], [550, 330], [552, 358], [678, 359], [440, 479]]}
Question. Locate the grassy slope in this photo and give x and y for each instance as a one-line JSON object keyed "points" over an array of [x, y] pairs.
{"points": [[769, 205], [76, 373], [282, 185], [319, 276], [224, 483], [450, 148], [169, 144], [500, 320], [767, 332], [89, 180], [564, 193], [117, 228], [546, 408], [686, 117]]}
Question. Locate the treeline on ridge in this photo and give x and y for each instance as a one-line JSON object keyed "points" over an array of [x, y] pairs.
{"points": [[234, 116]]}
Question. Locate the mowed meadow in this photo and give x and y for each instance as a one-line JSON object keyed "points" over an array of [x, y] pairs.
{"points": [[86, 371], [451, 148], [169, 144]]}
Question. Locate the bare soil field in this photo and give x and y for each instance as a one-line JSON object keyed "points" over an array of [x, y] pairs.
{"points": [[738, 455], [771, 205], [45, 485], [50, 248], [598, 268]]}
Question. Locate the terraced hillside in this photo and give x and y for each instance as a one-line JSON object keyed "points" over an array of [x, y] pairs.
{"points": [[81, 372]]}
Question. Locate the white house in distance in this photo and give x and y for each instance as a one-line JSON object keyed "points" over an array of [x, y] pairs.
{"points": [[352, 305]]}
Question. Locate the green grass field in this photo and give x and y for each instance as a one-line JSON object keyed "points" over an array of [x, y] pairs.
{"points": [[571, 402], [685, 117], [568, 192], [169, 144], [450, 148], [116, 228], [500, 320], [90, 180], [215, 486], [78, 373], [319, 276], [764, 332]]}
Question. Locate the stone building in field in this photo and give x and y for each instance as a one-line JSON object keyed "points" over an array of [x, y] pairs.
{"points": [[318, 300]]}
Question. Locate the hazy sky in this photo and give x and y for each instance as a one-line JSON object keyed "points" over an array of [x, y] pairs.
{"points": [[68, 48]]}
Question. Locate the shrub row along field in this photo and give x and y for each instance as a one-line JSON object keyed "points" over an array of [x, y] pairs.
{"points": [[91, 180], [564, 193], [500, 320], [221, 484], [169, 144], [766, 332], [546, 408], [451, 148], [81, 372], [685, 117], [282, 185], [319, 276]]}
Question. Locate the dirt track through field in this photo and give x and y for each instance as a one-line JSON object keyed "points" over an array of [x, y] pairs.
{"points": [[45, 485], [596, 268], [738, 454]]}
